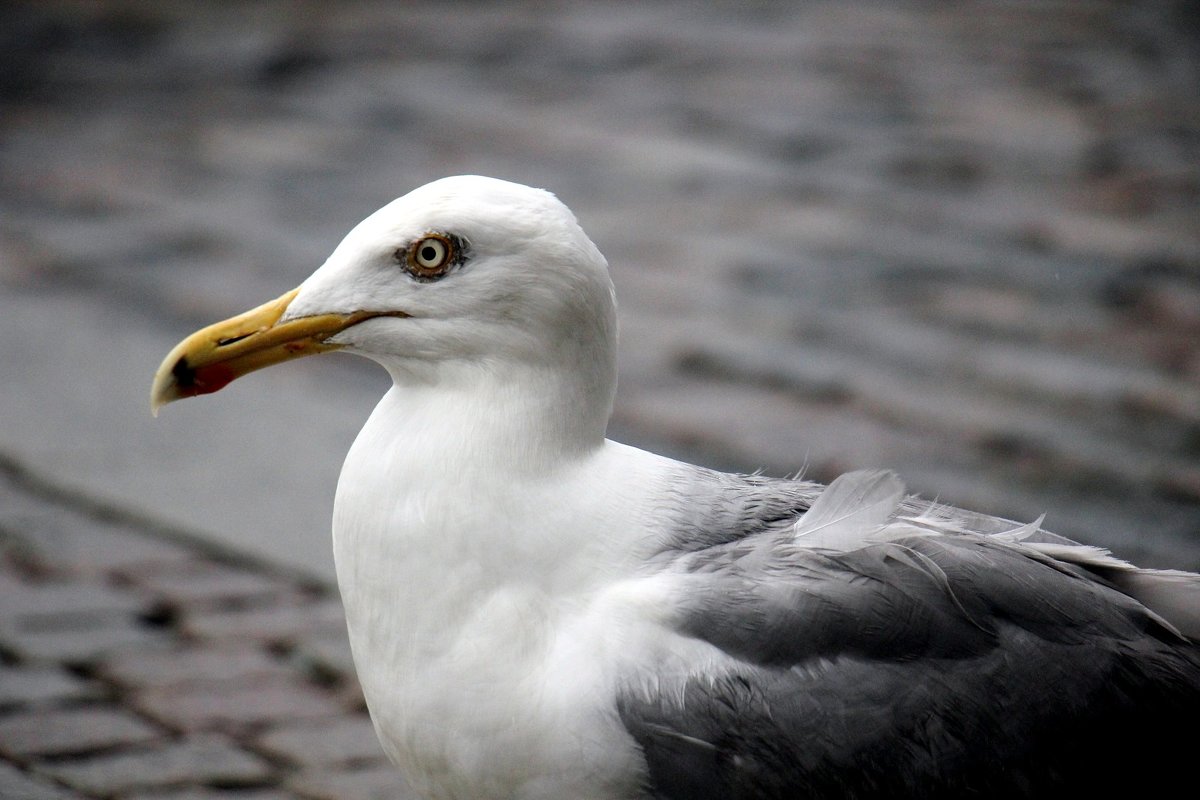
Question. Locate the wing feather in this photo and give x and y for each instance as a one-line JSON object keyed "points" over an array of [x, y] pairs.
{"points": [[854, 506], [868, 656]]}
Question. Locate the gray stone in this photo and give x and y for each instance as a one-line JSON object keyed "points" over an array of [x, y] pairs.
{"points": [[381, 782], [18, 785], [344, 740], [233, 705], [39, 604], [197, 760], [204, 583], [177, 664], [81, 639], [36, 685], [209, 793], [63, 541], [57, 732], [280, 623]]}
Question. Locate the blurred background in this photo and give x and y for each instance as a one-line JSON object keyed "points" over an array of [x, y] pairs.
{"points": [[958, 239]]}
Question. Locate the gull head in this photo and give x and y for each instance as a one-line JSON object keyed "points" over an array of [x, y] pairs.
{"points": [[463, 276]]}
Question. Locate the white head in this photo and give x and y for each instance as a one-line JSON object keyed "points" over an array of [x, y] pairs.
{"points": [[510, 276], [466, 278]]}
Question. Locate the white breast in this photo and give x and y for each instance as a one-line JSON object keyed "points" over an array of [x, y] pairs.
{"points": [[484, 625]]}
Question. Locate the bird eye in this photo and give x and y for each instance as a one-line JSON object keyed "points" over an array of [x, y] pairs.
{"points": [[431, 256]]}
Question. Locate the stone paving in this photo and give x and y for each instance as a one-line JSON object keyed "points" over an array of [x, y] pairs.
{"points": [[138, 665], [959, 239]]}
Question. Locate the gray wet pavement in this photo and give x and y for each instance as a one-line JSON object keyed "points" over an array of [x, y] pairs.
{"points": [[137, 664], [959, 240]]}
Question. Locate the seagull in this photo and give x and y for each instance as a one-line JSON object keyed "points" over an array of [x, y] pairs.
{"points": [[536, 611]]}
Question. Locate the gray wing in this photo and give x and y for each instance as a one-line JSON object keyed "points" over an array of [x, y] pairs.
{"points": [[926, 666]]}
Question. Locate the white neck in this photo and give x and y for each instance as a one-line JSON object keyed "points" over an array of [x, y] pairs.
{"points": [[471, 468], [464, 514], [475, 416]]}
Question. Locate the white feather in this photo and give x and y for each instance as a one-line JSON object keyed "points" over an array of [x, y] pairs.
{"points": [[851, 509]]}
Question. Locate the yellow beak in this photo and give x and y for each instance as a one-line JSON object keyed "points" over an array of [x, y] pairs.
{"points": [[214, 357]]}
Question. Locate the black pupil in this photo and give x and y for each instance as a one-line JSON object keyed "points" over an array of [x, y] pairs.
{"points": [[429, 253]]}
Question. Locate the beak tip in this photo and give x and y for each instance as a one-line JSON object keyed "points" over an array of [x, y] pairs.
{"points": [[165, 387], [160, 395], [213, 357]]}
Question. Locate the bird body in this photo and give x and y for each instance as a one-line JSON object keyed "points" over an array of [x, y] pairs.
{"points": [[538, 612]]}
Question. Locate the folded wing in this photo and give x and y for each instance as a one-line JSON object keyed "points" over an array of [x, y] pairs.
{"points": [[866, 653]]}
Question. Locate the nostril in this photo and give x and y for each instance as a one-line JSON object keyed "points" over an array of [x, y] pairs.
{"points": [[231, 340]]}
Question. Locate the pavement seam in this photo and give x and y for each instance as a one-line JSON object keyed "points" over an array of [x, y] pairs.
{"points": [[42, 487]]}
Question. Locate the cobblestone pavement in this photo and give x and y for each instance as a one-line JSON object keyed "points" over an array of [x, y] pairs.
{"points": [[957, 239], [138, 665]]}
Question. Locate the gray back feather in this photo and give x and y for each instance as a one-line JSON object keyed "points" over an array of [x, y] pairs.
{"points": [[900, 654]]}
